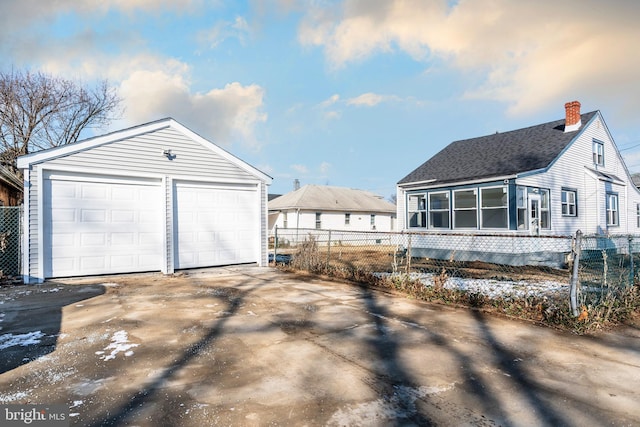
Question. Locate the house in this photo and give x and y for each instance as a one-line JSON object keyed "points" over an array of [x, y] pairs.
{"points": [[550, 179], [10, 188], [155, 197], [332, 208]]}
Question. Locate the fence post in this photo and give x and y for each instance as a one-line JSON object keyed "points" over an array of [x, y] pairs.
{"points": [[573, 290], [275, 245], [329, 250], [631, 266], [409, 254]]}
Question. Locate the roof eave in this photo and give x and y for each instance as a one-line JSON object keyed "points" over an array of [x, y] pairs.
{"points": [[436, 184]]}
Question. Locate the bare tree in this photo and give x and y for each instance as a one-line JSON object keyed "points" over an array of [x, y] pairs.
{"points": [[39, 111]]}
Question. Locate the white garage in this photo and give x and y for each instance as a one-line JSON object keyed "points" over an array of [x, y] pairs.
{"points": [[156, 197]]}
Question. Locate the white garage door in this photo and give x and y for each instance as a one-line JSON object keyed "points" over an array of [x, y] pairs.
{"points": [[215, 225], [96, 225]]}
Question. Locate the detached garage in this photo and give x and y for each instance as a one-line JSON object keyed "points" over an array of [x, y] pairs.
{"points": [[156, 197]]}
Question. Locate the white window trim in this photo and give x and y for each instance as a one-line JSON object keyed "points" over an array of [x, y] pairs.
{"points": [[613, 214], [598, 153], [564, 201]]}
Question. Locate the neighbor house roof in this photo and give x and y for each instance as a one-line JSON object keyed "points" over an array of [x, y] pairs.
{"points": [[497, 155], [327, 198], [10, 178]]}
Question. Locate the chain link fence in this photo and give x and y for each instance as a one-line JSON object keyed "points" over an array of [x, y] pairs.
{"points": [[506, 266], [10, 241], [606, 266]]}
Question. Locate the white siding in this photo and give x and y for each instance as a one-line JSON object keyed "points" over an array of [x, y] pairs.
{"points": [[571, 170], [336, 221], [144, 154]]}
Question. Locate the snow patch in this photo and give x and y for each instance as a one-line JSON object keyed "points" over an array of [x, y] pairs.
{"points": [[24, 340], [491, 287], [13, 397], [119, 344]]}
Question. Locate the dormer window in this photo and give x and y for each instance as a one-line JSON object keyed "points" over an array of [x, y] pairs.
{"points": [[598, 153]]}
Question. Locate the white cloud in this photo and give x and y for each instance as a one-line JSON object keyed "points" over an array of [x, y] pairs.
{"points": [[224, 30], [367, 99], [224, 115], [530, 53], [332, 115], [300, 169], [330, 101], [325, 167]]}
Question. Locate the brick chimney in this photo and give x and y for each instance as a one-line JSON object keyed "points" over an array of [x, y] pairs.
{"points": [[572, 121]]}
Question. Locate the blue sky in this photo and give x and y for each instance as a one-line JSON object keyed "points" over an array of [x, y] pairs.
{"points": [[353, 93]]}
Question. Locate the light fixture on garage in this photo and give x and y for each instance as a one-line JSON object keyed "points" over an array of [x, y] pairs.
{"points": [[169, 154]]}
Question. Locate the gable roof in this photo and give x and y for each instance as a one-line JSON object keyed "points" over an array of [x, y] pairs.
{"points": [[119, 135], [497, 155], [327, 198]]}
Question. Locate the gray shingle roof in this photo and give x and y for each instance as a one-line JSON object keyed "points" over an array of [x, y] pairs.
{"points": [[328, 198], [500, 154]]}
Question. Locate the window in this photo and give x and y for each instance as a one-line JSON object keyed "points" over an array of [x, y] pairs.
{"points": [[545, 215], [417, 209], [521, 208], [569, 205], [638, 215], [318, 220], [465, 209], [439, 210], [284, 220], [598, 153], [347, 219], [373, 221], [494, 209], [612, 210]]}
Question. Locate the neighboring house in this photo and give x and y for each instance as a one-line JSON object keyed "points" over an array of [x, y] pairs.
{"points": [[10, 188], [332, 208], [549, 179], [156, 197]]}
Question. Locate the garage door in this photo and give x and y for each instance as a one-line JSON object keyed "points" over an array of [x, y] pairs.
{"points": [[215, 225], [96, 225]]}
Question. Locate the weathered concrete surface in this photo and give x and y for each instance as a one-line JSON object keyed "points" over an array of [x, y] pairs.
{"points": [[254, 346]]}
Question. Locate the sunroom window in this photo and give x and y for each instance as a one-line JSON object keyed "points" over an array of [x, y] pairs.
{"points": [[417, 210], [439, 210], [494, 207], [465, 209]]}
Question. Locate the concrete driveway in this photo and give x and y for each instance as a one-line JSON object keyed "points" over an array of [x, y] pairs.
{"points": [[247, 346]]}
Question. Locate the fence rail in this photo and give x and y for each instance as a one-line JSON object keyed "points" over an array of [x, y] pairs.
{"points": [[496, 265]]}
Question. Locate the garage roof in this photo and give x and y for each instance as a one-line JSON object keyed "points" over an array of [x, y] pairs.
{"points": [[65, 150]]}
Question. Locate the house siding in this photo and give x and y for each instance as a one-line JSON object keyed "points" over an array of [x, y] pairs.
{"points": [[571, 170], [359, 221], [192, 159], [264, 230]]}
